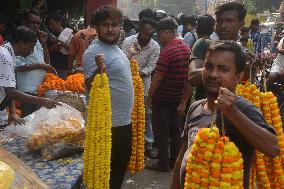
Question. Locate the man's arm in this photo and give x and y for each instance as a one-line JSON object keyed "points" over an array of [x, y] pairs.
{"points": [[14, 94], [188, 90], [195, 72], [43, 41], [151, 64], [260, 138], [176, 176], [156, 80], [29, 67]]}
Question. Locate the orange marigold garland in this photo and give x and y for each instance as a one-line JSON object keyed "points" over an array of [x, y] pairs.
{"points": [[136, 162], [270, 172], [214, 162]]}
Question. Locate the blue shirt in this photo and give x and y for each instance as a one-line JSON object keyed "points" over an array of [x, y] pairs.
{"points": [[257, 40], [119, 76], [29, 81]]}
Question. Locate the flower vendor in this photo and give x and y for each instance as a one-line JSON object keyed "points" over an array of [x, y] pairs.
{"points": [[243, 122]]}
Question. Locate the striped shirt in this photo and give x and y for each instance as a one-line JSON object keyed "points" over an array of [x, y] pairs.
{"points": [[173, 65]]}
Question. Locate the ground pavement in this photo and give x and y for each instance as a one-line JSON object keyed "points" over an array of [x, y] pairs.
{"points": [[147, 179]]}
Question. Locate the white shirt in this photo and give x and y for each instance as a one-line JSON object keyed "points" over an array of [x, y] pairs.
{"points": [[7, 64], [147, 58]]}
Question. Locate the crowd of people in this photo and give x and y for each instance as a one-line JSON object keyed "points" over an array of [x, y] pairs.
{"points": [[189, 66]]}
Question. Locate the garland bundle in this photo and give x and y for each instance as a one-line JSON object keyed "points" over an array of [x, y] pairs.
{"points": [[214, 162], [97, 152], [136, 162], [269, 171]]}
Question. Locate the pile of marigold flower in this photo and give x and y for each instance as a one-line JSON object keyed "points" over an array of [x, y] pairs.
{"points": [[74, 83], [136, 162], [214, 162], [97, 152], [269, 171]]}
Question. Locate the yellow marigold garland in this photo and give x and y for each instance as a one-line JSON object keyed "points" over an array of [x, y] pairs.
{"points": [[214, 162], [97, 152], [136, 162]]}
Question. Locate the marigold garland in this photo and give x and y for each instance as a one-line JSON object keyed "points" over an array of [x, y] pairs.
{"points": [[136, 162], [269, 171], [74, 83], [97, 152], [214, 162]]}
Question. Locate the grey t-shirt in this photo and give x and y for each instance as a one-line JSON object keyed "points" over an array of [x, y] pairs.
{"points": [[119, 76], [198, 118]]}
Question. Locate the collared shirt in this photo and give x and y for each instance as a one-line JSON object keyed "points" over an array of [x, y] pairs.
{"points": [[7, 74], [173, 66], [190, 38], [119, 77], [256, 39], [29, 81], [278, 63], [147, 58]]}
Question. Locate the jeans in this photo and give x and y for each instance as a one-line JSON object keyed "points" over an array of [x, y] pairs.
{"points": [[149, 137], [167, 132], [120, 154]]}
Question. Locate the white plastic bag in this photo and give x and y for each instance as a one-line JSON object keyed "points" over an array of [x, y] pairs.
{"points": [[59, 126]]}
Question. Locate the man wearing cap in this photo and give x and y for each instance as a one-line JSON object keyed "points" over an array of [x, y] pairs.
{"points": [[165, 93]]}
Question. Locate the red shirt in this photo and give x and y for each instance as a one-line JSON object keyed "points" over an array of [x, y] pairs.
{"points": [[1, 40], [173, 65]]}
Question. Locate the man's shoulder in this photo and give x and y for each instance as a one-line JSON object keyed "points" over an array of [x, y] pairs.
{"points": [[154, 44], [130, 39]]}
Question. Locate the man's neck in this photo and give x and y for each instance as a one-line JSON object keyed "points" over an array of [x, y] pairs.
{"points": [[210, 105]]}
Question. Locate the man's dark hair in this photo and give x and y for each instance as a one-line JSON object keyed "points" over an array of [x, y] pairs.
{"points": [[105, 12], [231, 6], [147, 13], [27, 13], [149, 21], [24, 34], [54, 16], [234, 47], [181, 19], [190, 20], [3, 19], [244, 30], [205, 25], [254, 22], [128, 23]]}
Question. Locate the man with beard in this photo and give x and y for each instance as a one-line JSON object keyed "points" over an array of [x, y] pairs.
{"points": [[115, 63], [243, 122], [147, 59]]}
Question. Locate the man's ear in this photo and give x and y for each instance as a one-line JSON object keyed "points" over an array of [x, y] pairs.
{"points": [[239, 77]]}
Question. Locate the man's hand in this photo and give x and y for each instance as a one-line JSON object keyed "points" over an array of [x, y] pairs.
{"points": [[48, 68], [42, 37], [226, 102], [15, 119], [48, 103], [134, 50], [100, 61], [181, 110]]}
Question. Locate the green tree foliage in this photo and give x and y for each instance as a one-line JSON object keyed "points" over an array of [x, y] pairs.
{"points": [[258, 6]]}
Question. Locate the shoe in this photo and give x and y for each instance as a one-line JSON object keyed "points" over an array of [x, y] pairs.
{"points": [[156, 167], [150, 154]]}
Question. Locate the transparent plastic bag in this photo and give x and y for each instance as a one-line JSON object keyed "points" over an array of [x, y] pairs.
{"points": [[62, 125]]}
